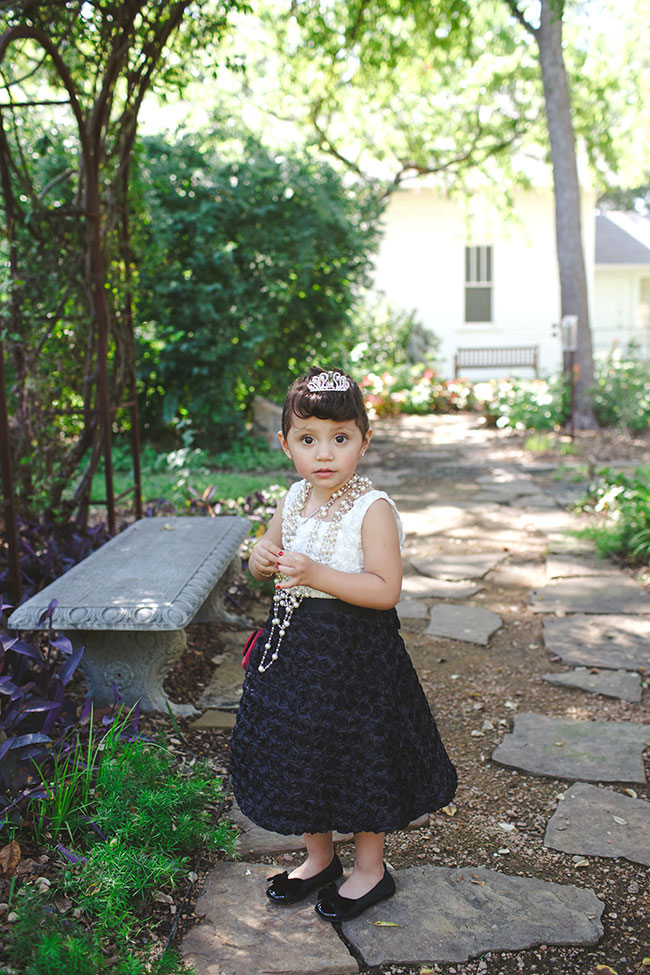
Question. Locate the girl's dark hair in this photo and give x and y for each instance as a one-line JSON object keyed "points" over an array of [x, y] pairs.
{"points": [[324, 404]]}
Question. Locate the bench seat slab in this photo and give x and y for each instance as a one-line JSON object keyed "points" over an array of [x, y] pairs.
{"points": [[156, 575]]}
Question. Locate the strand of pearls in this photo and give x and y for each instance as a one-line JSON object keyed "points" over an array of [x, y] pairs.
{"points": [[286, 601]]}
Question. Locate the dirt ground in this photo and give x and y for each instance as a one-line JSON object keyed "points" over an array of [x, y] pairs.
{"points": [[468, 685]]}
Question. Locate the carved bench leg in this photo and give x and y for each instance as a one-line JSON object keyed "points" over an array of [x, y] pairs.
{"points": [[137, 661], [213, 609]]}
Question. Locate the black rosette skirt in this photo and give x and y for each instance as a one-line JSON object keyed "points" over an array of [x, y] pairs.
{"points": [[337, 733]]}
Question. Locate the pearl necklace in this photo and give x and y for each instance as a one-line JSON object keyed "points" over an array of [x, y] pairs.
{"points": [[286, 601]]}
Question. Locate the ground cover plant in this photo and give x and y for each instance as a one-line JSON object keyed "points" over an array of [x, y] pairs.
{"points": [[620, 503], [122, 821]]}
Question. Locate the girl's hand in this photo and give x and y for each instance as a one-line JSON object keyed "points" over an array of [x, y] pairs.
{"points": [[295, 569], [263, 561]]}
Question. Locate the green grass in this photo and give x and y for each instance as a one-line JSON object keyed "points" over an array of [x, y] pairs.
{"points": [[571, 472], [539, 443], [173, 475], [174, 487]]}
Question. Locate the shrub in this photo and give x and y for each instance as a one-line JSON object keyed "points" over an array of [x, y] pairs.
{"points": [[249, 263], [524, 404], [381, 338], [622, 503], [414, 389], [621, 393], [147, 815]]}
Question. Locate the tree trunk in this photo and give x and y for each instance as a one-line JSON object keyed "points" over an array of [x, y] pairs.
{"points": [[570, 254]]}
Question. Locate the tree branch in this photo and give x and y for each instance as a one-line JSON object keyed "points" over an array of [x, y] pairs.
{"points": [[326, 143], [518, 15]]}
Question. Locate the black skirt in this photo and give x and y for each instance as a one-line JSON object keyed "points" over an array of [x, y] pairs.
{"points": [[337, 733]]}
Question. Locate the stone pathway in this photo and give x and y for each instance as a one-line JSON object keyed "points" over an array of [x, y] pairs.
{"points": [[472, 519], [601, 822]]}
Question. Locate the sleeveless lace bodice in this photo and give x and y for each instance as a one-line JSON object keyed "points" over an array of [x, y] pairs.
{"points": [[347, 555]]}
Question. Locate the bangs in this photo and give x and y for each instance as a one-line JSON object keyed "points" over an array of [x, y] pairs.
{"points": [[324, 406]]}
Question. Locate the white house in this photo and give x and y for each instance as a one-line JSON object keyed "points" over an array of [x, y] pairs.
{"points": [[621, 307], [480, 279]]}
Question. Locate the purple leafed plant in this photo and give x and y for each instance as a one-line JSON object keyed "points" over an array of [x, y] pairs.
{"points": [[47, 550], [34, 709]]}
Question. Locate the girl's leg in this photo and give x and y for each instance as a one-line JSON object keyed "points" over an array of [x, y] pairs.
{"points": [[368, 865], [320, 851]]}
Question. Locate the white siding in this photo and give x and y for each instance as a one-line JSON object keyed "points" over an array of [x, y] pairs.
{"points": [[421, 267], [620, 310]]}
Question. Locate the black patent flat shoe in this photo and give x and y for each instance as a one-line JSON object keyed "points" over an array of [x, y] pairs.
{"points": [[333, 907], [288, 890]]}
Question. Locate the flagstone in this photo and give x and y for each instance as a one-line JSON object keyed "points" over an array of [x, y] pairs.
{"points": [[565, 566], [471, 565], [433, 519], [563, 544], [518, 574], [492, 535], [467, 623], [614, 593], [449, 914], [423, 587], [255, 841], [383, 477], [412, 609], [535, 502], [602, 823], [225, 687], [510, 486], [214, 718], [610, 683], [551, 521], [243, 933], [492, 497], [616, 642], [596, 751]]}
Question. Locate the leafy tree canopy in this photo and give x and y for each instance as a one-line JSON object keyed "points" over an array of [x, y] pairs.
{"points": [[248, 264]]}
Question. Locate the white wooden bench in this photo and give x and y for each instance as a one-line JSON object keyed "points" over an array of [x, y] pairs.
{"points": [[497, 357], [129, 602]]}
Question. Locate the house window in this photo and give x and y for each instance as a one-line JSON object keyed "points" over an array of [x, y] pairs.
{"points": [[478, 284]]}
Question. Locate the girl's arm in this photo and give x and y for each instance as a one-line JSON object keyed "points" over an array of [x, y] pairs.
{"points": [[263, 561], [377, 587]]}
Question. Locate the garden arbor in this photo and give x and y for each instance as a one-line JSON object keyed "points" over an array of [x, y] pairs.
{"points": [[67, 315], [98, 408]]}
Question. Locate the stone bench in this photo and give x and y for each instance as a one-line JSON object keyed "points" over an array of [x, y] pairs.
{"points": [[129, 602]]}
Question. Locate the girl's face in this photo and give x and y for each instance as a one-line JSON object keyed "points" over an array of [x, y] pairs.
{"points": [[325, 452]]}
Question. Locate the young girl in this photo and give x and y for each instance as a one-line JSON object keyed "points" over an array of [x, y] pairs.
{"points": [[334, 731]]}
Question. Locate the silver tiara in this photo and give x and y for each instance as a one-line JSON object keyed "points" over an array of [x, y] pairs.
{"points": [[326, 382]]}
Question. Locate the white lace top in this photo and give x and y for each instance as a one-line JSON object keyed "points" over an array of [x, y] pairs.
{"points": [[348, 551]]}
